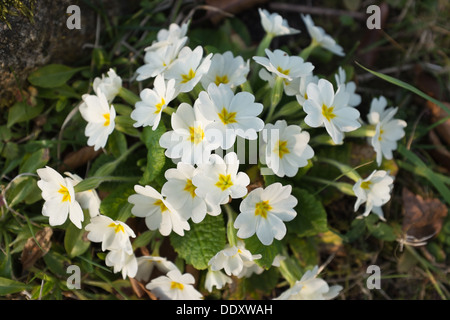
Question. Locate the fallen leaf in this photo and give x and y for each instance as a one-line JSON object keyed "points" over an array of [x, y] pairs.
{"points": [[32, 251], [422, 217], [440, 153], [140, 289], [437, 114], [79, 158]]}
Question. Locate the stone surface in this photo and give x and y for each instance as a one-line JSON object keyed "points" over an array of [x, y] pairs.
{"points": [[27, 46]]}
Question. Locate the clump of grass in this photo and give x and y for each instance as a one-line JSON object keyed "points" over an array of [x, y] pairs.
{"points": [[16, 8]]}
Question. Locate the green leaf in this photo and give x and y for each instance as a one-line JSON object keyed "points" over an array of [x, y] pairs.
{"points": [[74, 241], [22, 112], [94, 182], [379, 229], [34, 161], [407, 86], [268, 253], [202, 242], [116, 205], [52, 76], [311, 216], [8, 286], [155, 155]]}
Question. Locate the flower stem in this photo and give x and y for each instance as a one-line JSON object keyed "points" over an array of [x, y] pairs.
{"points": [[275, 97], [305, 53], [128, 96], [361, 132], [231, 232]]}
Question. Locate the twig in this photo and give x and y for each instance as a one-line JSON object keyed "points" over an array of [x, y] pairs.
{"points": [[316, 10]]}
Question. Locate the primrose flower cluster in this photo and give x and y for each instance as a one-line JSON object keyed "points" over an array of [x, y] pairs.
{"points": [[202, 180]]}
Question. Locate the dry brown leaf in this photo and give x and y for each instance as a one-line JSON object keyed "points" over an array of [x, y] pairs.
{"points": [[32, 251], [437, 114], [139, 289], [422, 217], [440, 153], [79, 158]]}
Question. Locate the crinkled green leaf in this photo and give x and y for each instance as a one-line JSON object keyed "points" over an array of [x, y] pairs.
{"points": [[268, 253], [116, 205], [74, 241], [311, 216], [8, 286], [155, 156], [21, 112], [202, 242]]}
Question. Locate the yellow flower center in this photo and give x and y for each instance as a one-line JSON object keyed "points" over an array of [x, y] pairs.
{"points": [[261, 208], [281, 148], [66, 195], [285, 72], [224, 182], [188, 77], [176, 285], [160, 105], [107, 119], [227, 117], [221, 79], [189, 187], [366, 185], [161, 205], [117, 227], [327, 112], [379, 137], [197, 134]]}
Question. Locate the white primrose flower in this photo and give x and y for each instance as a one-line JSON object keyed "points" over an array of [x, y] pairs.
{"points": [[169, 36], [280, 64], [189, 68], [301, 94], [114, 235], [219, 180], [325, 108], [321, 38], [122, 261], [146, 264], [216, 279], [110, 85], [387, 131], [100, 118], [180, 192], [174, 286], [148, 111], [232, 115], [349, 87], [286, 148], [263, 212], [187, 141], [309, 287], [159, 60], [232, 259], [374, 191], [59, 196], [157, 211], [226, 69], [87, 199], [274, 24]]}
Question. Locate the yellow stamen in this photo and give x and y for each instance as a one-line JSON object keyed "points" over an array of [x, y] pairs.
{"points": [[161, 205], [379, 137], [117, 227], [197, 134], [261, 208], [224, 182], [107, 119], [190, 188], [328, 112], [285, 72], [160, 105], [223, 79], [366, 185], [65, 193], [188, 77], [227, 117], [281, 148], [176, 285]]}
